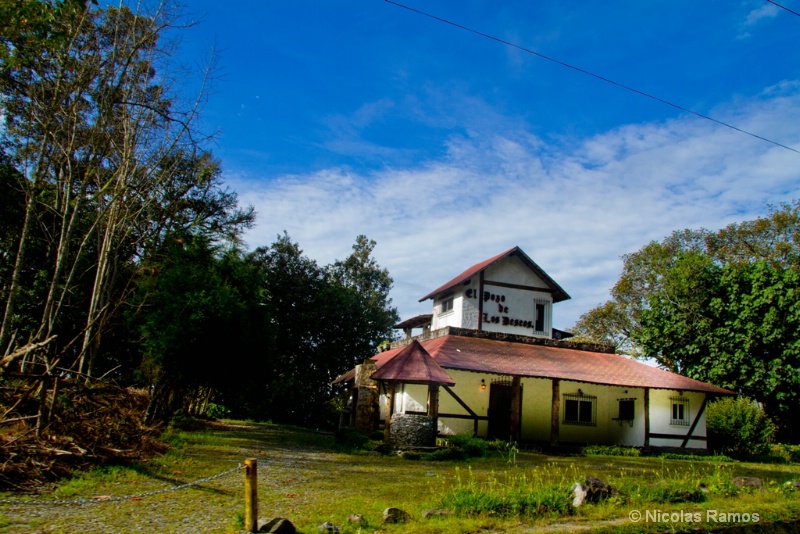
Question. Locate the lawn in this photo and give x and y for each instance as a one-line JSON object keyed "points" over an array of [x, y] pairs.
{"points": [[307, 477]]}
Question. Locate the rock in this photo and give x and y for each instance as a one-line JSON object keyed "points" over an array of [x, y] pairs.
{"points": [[278, 525], [748, 482], [395, 515], [579, 491], [427, 514], [327, 526], [355, 518], [594, 490]]}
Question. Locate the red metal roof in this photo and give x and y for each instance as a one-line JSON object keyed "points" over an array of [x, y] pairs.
{"points": [[413, 365], [558, 292], [540, 361]]}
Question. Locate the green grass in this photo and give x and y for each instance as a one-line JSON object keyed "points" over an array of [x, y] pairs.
{"points": [[307, 477]]}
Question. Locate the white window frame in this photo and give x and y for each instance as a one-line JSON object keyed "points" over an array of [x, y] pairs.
{"points": [[546, 320], [679, 411], [447, 304]]}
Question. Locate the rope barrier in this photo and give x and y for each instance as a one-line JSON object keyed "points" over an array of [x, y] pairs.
{"points": [[137, 496]]}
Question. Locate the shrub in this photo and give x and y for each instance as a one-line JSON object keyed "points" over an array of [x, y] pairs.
{"points": [[738, 427], [217, 411], [786, 453], [472, 447], [352, 438]]}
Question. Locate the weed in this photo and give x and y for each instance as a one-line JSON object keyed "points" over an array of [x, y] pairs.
{"points": [[508, 495], [696, 458], [610, 450]]}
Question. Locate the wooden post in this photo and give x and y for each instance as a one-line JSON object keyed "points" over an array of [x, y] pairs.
{"points": [[433, 408], [646, 418], [556, 409], [387, 423], [251, 495], [516, 406]]}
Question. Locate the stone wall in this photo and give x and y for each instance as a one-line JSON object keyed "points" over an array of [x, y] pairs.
{"points": [[409, 430]]}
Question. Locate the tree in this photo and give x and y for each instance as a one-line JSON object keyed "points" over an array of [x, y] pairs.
{"points": [[110, 160], [369, 284], [107, 166], [720, 307], [197, 314], [318, 323]]}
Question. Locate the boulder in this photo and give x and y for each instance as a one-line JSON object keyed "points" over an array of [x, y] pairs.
{"points": [[355, 518], [594, 490], [427, 514], [328, 527], [278, 525], [395, 515], [748, 482]]}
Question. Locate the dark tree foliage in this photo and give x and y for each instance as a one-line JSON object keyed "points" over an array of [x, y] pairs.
{"points": [[197, 317], [263, 334], [320, 323]]}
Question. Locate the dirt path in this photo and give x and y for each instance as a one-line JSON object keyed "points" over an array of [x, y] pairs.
{"points": [[210, 506]]}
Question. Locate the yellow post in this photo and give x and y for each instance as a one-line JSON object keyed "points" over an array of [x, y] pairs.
{"points": [[251, 495]]}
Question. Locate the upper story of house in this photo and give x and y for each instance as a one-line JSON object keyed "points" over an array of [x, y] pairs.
{"points": [[508, 293]]}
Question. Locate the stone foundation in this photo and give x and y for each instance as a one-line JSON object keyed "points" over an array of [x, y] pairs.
{"points": [[412, 431]]}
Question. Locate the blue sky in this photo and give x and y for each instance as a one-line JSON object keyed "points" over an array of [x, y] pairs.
{"points": [[360, 117]]}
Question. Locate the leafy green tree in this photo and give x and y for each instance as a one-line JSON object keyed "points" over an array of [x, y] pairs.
{"points": [[717, 306], [368, 284]]}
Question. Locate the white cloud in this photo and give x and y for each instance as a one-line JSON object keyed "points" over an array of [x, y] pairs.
{"points": [[574, 208], [761, 12]]}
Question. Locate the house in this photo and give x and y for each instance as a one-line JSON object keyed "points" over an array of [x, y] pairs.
{"points": [[489, 363]]}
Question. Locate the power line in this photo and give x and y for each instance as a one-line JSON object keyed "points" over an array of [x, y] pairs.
{"points": [[776, 4], [589, 73]]}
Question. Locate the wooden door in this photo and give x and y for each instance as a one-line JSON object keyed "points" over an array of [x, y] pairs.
{"points": [[500, 396]]}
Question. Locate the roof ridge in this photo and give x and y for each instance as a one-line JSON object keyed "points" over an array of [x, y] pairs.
{"points": [[501, 336]]}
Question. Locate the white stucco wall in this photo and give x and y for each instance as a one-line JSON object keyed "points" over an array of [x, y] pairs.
{"points": [[452, 317], [509, 310], [660, 416], [537, 405], [606, 430]]}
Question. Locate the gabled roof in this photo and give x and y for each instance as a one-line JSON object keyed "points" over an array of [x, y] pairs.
{"points": [[542, 361], [558, 292], [413, 365]]}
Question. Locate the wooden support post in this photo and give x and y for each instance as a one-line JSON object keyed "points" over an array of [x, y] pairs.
{"points": [[433, 408], [646, 418], [387, 423], [251, 495], [516, 407], [554, 413]]}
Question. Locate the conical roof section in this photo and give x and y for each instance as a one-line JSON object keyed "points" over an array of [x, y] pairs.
{"points": [[413, 365]]}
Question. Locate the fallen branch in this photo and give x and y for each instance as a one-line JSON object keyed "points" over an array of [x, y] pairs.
{"points": [[19, 353], [6, 421]]}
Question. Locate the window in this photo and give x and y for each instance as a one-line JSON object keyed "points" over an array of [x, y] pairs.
{"points": [[541, 323], [680, 411], [626, 409], [580, 409], [447, 303]]}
